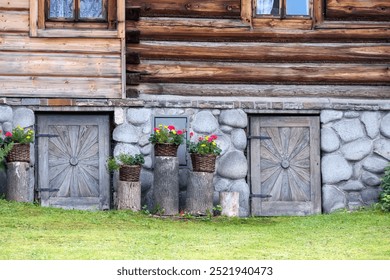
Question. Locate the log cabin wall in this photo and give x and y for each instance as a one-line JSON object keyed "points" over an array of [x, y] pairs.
{"points": [[217, 48], [63, 64]]}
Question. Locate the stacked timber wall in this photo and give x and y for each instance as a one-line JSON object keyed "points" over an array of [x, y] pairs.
{"points": [[54, 67], [207, 44]]}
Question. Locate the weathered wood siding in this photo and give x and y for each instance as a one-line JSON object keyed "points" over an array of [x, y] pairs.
{"points": [[202, 48], [54, 67], [358, 9]]}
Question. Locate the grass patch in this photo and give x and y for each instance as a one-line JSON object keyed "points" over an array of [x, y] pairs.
{"points": [[31, 232]]}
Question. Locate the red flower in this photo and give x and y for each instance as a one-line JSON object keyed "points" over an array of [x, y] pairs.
{"points": [[179, 132], [8, 134], [156, 129], [191, 134], [214, 137], [171, 127]]}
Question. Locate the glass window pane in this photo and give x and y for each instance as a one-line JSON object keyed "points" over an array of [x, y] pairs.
{"points": [[267, 7], [91, 9], [61, 9], [297, 7]]}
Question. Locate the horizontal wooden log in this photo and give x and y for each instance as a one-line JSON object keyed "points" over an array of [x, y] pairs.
{"points": [[261, 52], [14, 4], [57, 64], [31, 86], [68, 45], [234, 30], [14, 21], [250, 90], [203, 72], [357, 9], [188, 8]]}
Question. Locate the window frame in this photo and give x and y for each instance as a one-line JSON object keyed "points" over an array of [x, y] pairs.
{"points": [[112, 27], [282, 21], [317, 20], [76, 5]]}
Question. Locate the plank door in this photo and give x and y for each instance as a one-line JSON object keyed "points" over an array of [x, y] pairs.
{"points": [[72, 152], [285, 165]]}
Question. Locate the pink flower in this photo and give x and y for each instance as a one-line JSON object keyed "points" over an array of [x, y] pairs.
{"points": [[200, 138], [179, 132], [171, 127], [214, 137], [191, 134], [8, 134]]}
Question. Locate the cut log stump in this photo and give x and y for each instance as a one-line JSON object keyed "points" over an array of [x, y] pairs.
{"points": [[129, 195], [18, 182], [166, 185], [230, 203], [200, 191]]}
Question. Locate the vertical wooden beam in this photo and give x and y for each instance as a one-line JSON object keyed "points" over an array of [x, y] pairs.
{"points": [[33, 18], [318, 12], [247, 11]]}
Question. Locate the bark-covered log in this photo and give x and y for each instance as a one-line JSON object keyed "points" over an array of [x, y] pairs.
{"points": [[18, 182], [129, 195], [166, 185], [230, 203], [200, 192]]}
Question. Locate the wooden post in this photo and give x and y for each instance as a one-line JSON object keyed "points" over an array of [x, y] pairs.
{"points": [[18, 182], [166, 185], [129, 195], [230, 203], [200, 193]]}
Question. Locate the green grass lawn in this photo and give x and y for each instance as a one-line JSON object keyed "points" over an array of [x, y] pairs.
{"points": [[31, 232]]}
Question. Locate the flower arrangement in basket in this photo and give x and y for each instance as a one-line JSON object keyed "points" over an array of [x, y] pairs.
{"points": [[166, 140], [129, 166], [204, 152], [21, 139]]}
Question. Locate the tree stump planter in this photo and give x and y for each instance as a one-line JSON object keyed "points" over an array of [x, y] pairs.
{"points": [[200, 191], [18, 182], [129, 195], [230, 203], [166, 185]]}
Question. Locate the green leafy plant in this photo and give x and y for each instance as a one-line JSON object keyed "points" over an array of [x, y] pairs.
{"points": [[22, 136], [6, 145], [384, 197], [167, 134], [114, 163], [204, 145]]}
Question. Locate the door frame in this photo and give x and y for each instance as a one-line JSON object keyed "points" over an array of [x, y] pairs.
{"points": [[105, 195]]}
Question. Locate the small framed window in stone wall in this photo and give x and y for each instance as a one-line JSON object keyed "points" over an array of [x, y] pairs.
{"points": [[178, 123]]}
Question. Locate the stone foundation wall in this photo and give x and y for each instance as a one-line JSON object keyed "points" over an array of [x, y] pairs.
{"points": [[355, 146], [355, 150]]}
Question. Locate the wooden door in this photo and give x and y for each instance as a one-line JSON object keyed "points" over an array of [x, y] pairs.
{"points": [[72, 152], [285, 165]]}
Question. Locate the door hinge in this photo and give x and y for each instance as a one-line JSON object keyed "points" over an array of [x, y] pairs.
{"points": [[47, 135], [250, 137], [260, 195], [48, 190]]}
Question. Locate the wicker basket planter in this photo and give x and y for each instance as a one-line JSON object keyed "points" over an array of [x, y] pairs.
{"points": [[19, 153], [167, 150], [129, 173], [203, 163]]}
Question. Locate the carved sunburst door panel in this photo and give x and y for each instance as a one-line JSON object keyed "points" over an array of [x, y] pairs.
{"points": [[285, 166], [74, 161], [72, 153]]}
